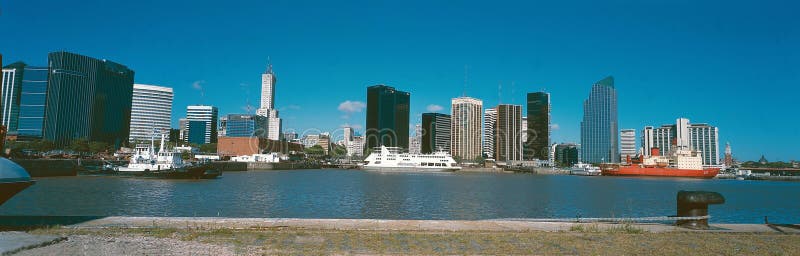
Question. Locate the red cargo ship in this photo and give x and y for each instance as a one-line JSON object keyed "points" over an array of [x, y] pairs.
{"points": [[681, 163]]}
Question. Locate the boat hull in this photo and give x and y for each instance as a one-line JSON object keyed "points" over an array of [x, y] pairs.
{"points": [[408, 169], [9, 189], [660, 172]]}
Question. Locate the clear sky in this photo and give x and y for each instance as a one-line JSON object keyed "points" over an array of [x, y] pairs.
{"points": [[732, 64]]}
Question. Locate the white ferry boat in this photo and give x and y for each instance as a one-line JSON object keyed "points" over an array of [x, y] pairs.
{"points": [[585, 170], [394, 160]]}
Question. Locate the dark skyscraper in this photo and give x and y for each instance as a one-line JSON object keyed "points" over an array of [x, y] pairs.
{"points": [[435, 132], [599, 129], [87, 98], [538, 144], [387, 117]]}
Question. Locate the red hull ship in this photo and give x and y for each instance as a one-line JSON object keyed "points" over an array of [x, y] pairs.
{"points": [[680, 163]]}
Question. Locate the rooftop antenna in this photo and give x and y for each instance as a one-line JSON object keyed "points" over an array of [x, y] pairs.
{"points": [[466, 77], [499, 92], [269, 66]]}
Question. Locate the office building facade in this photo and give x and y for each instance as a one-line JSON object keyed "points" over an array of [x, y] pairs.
{"points": [[566, 154], [387, 117], [267, 108], [206, 114], [627, 143], [599, 127], [702, 138], [22, 100], [151, 112], [508, 143], [537, 143], [245, 125], [87, 98], [435, 133], [465, 128]]}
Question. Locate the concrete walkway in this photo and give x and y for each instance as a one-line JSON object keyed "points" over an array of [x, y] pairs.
{"points": [[403, 225], [15, 241]]}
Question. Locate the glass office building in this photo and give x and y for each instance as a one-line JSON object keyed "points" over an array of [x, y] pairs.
{"points": [[435, 133], [387, 117], [537, 143], [243, 125], [28, 87], [599, 128], [87, 98]]}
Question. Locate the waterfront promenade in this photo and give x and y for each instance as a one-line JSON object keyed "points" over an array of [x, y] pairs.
{"points": [[255, 236]]}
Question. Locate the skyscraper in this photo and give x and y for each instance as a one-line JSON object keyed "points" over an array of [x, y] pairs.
{"points": [[489, 122], [206, 114], [728, 155], [10, 96], [508, 145], [267, 108], [151, 112], [537, 144], [22, 101], [415, 142], [435, 132], [87, 98], [183, 127], [627, 142], [387, 117], [599, 131], [465, 133]]}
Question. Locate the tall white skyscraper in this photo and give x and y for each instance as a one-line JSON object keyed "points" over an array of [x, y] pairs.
{"points": [[489, 122], [627, 142], [151, 111], [466, 127], [267, 108]]}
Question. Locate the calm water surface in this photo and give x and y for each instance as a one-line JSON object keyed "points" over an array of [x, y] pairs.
{"points": [[359, 194]]}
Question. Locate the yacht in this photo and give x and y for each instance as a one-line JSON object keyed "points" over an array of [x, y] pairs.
{"points": [[392, 159], [584, 170]]}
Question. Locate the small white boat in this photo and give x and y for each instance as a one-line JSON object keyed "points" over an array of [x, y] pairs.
{"points": [[392, 159], [145, 159], [584, 170]]}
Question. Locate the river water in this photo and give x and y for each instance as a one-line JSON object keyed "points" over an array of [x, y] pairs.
{"points": [[360, 194]]}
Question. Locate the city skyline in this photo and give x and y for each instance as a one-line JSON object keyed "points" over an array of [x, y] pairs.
{"points": [[700, 63]]}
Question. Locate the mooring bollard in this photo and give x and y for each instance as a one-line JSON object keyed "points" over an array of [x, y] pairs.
{"points": [[695, 204]]}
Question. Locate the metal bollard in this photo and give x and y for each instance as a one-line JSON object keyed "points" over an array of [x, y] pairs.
{"points": [[695, 204]]}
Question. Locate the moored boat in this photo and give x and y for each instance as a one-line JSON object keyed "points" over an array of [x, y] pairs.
{"points": [[680, 163], [391, 159], [584, 169]]}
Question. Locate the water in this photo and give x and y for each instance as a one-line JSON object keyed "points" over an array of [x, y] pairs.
{"points": [[359, 194]]}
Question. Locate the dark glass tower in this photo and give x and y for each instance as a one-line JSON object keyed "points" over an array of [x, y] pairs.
{"points": [[537, 145], [599, 131], [245, 125], [387, 117], [87, 98], [435, 132]]}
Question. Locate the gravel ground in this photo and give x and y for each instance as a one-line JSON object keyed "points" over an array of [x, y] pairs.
{"points": [[125, 244]]}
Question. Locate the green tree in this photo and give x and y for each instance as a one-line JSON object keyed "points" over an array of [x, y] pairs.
{"points": [[316, 150], [79, 145], [208, 148], [98, 146], [45, 145]]}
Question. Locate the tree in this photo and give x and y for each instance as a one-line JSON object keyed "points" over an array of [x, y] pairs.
{"points": [[79, 145], [208, 148], [98, 146], [44, 145], [316, 150]]}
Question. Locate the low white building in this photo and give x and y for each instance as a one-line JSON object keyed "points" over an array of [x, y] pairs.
{"points": [[261, 158]]}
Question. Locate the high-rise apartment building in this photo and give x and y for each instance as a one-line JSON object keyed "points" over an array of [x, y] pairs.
{"points": [[465, 131], [489, 122], [537, 145], [627, 142], [508, 144], [387, 117], [206, 114], [267, 108], [151, 112], [702, 138], [87, 98], [599, 128], [435, 132]]}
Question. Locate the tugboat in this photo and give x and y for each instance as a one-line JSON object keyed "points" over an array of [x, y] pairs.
{"points": [[13, 178], [583, 169], [166, 164]]}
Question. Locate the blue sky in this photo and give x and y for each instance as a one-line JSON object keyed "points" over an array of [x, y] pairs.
{"points": [[735, 65]]}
